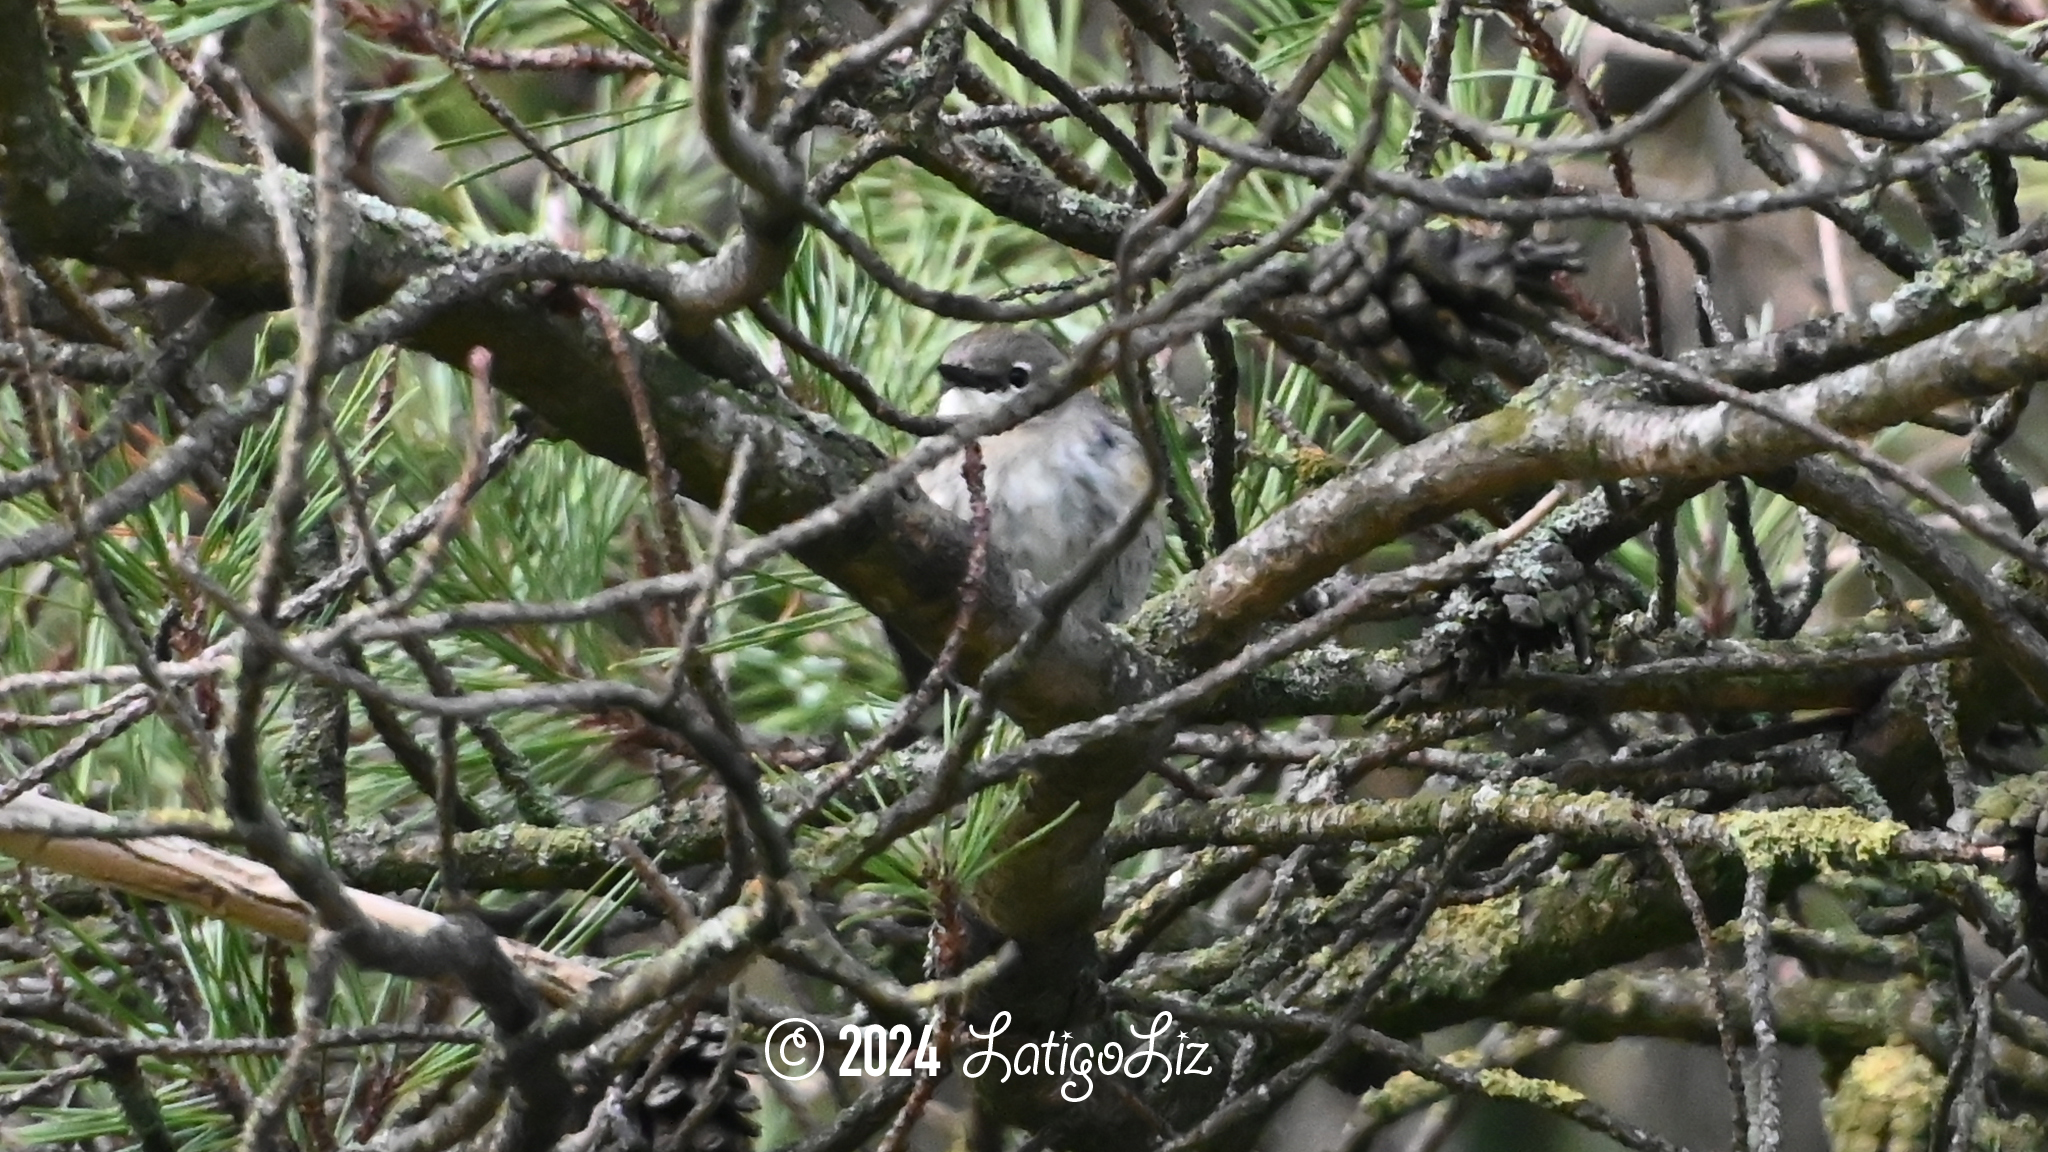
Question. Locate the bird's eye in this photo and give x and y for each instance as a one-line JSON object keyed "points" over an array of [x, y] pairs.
{"points": [[1019, 375]]}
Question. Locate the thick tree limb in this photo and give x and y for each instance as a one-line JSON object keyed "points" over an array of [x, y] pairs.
{"points": [[1571, 429]]}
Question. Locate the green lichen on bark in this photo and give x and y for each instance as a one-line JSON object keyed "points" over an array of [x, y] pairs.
{"points": [[1508, 1084], [1981, 281], [1884, 1101], [1829, 837]]}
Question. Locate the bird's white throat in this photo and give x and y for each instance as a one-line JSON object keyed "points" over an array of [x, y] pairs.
{"points": [[957, 402]]}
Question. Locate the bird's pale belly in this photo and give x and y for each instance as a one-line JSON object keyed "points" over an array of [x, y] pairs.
{"points": [[1049, 505], [1048, 513]]}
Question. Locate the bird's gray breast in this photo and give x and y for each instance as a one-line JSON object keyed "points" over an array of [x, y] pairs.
{"points": [[1055, 486]]}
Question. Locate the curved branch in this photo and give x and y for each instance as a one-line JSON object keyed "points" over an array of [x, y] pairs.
{"points": [[1578, 430]]}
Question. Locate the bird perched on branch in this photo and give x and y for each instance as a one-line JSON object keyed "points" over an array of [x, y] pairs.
{"points": [[1056, 484]]}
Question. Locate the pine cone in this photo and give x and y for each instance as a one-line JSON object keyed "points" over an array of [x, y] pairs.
{"points": [[2013, 812], [1412, 296], [689, 1076], [1531, 599]]}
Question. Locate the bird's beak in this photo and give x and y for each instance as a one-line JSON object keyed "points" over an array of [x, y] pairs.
{"points": [[961, 376]]}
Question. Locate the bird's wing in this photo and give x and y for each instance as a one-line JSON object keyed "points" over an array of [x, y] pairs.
{"points": [[944, 486]]}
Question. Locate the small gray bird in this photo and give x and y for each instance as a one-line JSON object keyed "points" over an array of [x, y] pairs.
{"points": [[1056, 484]]}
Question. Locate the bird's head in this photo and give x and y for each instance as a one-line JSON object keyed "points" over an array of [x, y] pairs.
{"points": [[985, 368]]}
